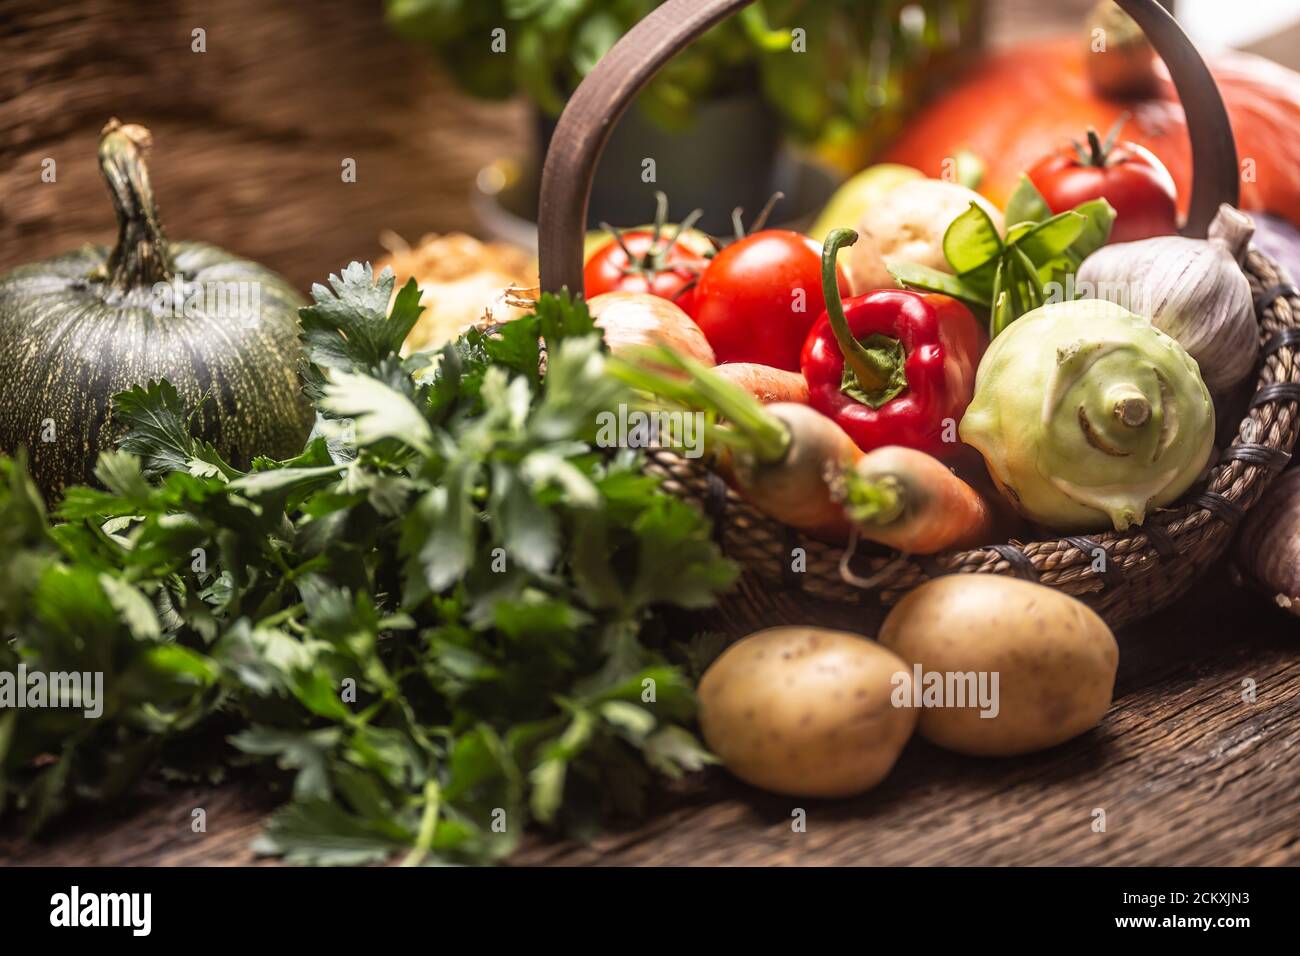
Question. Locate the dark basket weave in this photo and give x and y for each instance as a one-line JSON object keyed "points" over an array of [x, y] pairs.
{"points": [[1145, 568]]}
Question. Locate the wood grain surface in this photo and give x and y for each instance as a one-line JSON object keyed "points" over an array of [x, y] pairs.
{"points": [[1186, 770]]}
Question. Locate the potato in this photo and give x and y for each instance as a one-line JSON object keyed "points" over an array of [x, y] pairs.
{"points": [[806, 711], [1054, 659]]}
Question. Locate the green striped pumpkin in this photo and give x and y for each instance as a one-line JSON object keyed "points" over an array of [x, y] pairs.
{"points": [[77, 329]]}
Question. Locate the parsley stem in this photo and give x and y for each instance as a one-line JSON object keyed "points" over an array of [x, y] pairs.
{"points": [[428, 825], [280, 617]]}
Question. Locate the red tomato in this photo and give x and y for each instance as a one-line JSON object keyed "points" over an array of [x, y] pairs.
{"points": [[669, 273], [1129, 176], [759, 297]]}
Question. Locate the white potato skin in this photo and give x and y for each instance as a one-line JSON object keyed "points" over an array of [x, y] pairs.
{"points": [[631, 320], [1055, 659], [907, 225], [806, 711]]}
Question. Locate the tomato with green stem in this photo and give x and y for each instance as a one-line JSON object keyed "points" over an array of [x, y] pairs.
{"points": [[761, 293], [759, 297], [650, 260], [1126, 175]]}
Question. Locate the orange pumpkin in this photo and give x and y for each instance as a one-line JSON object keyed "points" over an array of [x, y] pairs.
{"points": [[1017, 105]]}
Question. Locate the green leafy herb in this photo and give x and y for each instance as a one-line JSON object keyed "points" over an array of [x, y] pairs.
{"points": [[1007, 276], [435, 621], [850, 67]]}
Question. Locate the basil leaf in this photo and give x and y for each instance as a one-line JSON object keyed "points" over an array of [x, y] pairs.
{"points": [[1026, 204], [998, 297], [1033, 284], [1051, 238], [1099, 218], [971, 240], [980, 281], [534, 70], [593, 39], [932, 280], [1003, 315]]}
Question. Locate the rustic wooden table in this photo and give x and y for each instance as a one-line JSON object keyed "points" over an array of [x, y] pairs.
{"points": [[250, 135]]}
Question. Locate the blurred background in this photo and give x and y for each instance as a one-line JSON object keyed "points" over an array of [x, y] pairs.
{"points": [[257, 105]]}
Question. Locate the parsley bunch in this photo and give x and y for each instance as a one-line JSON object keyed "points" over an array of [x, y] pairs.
{"points": [[436, 618]]}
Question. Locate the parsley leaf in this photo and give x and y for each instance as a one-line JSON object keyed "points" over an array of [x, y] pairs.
{"points": [[435, 621]]}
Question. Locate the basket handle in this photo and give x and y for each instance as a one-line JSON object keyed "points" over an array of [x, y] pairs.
{"points": [[601, 99]]}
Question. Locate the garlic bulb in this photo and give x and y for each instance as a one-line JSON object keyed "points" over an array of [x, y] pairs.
{"points": [[1192, 289], [1268, 549]]}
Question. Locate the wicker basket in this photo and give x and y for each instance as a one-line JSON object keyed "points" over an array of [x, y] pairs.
{"points": [[1124, 576]]}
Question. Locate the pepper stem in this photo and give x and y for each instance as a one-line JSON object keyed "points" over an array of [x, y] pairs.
{"points": [[869, 368], [140, 257]]}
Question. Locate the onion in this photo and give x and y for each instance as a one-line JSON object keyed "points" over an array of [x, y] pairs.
{"points": [[1268, 550], [633, 320]]}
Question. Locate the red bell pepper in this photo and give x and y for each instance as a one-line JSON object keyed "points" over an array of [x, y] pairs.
{"points": [[892, 367]]}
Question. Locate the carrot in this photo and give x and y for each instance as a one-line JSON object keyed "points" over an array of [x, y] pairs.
{"points": [[908, 500], [782, 457], [767, 384], [795, 487]]}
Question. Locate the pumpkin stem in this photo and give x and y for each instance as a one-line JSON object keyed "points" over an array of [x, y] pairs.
{"points": [[140, 257]]}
